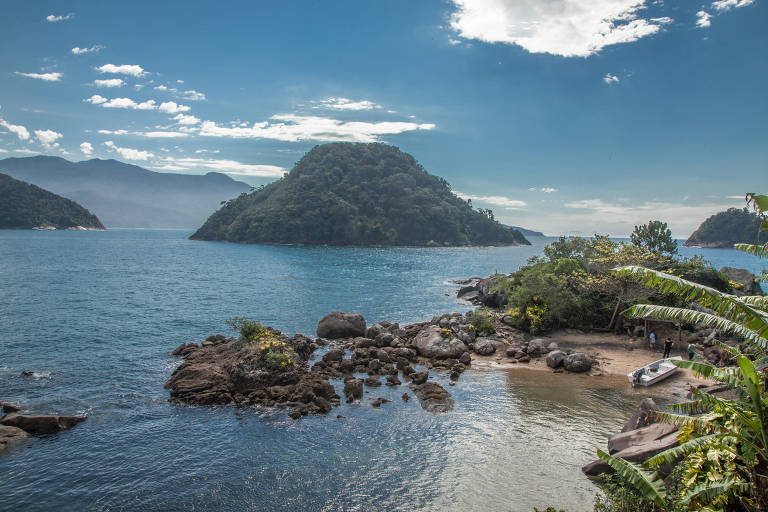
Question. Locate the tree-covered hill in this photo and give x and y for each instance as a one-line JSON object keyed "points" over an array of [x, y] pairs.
{"points": [[724, 229], [25, 206], [356, 194]]}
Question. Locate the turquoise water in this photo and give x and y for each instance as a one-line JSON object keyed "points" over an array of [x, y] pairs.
{"points": [[95, 314]]}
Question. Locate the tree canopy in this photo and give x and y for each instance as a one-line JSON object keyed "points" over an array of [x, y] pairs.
{"points": [[25, 206], [727, 228], [356, 194], [655, 237]]}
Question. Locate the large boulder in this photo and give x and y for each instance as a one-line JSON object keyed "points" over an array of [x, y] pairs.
{"points": [[578, 362], [643, 416], [484, 347], [556, 358], [644, 435], [433, 397], [353, 389], [537, 347], [40, 423], [337, 324], [10, 436], [430, 343], [637, 454], [747, 280]]}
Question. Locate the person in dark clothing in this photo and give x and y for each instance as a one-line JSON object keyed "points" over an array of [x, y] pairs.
{"points": [[667, 347]]}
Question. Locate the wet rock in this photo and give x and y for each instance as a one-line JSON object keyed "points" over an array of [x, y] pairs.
{"points": [[465, 358], [392, 380], [323, 405], [433, 397], [374, 366], [373, 381], [484, 347], [333, 355], [637, 454], [347, 366], [406, 397], [178, 350], [430, 343], [384, 339], [374, 330], [511, 351], [41, 423], [27, 373], [294, 414], [644, 435], [556, 358], [8, 407], [578, 362], [10, 436], [419, 377], [353, 389], [337, 324], [524, 359], [455, 375], [324, 389], [379, 401]]}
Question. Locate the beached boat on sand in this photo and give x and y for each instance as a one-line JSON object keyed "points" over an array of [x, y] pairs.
{"points": [[653, 372]]}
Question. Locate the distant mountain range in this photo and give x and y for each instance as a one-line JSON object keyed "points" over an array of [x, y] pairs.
{"points": [[526, 232], [25, 206], [129, 196]]}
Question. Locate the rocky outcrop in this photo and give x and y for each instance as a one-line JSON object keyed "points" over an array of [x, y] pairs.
{"points": [[483, 292], [746, 281], [484, 347], [40, 423], [10, 436], [337, 325], [433, 397], [431, 343], [578, 362]]}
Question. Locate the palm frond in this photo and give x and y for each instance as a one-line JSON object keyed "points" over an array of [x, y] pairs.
{"points": [[761, 251], [705, 492], [648, 483], [727, 375], [700, 425], [674, 454]]}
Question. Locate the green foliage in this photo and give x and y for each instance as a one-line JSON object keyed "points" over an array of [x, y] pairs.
{"points": [[356, 194], [272, 353], [727, 228], [483, 320], [25, 206], [647, 483], [654, 237], [251, 331]]}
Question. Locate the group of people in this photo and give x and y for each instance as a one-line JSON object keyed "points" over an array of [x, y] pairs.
{"points": [[668, 346]]}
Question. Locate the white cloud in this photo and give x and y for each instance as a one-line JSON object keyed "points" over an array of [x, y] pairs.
{"points": [[25, 151], [610, 79], [702, 19], [113, 132], [86, 148], [129, 153], [179, 81], [293, 128], [347, 104], [110, 82], [570, 28], [92, 49], [162, 134], [212, 151], [53, 18], [165, 88], [48, 77], [48, 138], [123, 69], [186, 119], [121, 103], [96, 100], [139, 87], [170, 107], [225, 166], [193, 95], [724, 5], [21, 132], [548, 190], [504, 202]]}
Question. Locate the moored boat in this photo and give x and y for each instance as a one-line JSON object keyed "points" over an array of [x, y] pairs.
{"points": [[653, 372]]}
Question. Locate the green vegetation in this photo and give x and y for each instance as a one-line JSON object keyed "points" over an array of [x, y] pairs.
{"points": [[572, 285], [272, 353], [356, 194], [654, 237], [25, 206], [728, 228], [722, 458], [483, 320]]}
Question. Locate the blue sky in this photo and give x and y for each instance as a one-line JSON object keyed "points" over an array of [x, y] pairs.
{"points": [[571, 117]]}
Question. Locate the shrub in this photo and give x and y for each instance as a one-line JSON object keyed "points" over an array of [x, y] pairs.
{"points": [[483, 320]]}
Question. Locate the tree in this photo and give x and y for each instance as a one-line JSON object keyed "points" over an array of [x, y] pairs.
{"points": [[724, 446], [655, 237]]}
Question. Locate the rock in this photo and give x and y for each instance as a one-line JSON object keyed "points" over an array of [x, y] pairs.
{"points": [[430, 343], [578, 362], [643, 416], [392, 380], [353, 389], [484, 347], [455, 375], [552, 346], [406, 397], [384, 339], [374, 366], [178, 350], [524, 359], [511, 351], [347, 366], [465, 359], [323, 389], [624, 440], [333, 355], [379, 401], [419, 377], [372, 381], [207, 343], [374, 330], [508, 320], [294, 414], [433, 397], [466, 335], [555, 359], [7, 407], [637, 454], [337, 324], [747, 280], [40, 423], [10, 436], [537, 347], [27, 373]]}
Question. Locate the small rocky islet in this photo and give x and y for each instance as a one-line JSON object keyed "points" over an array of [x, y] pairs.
{"points": [[235, 371]]}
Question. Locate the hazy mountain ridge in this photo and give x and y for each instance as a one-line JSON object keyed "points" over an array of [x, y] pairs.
{"points": [[26, 206], [128, 196], [356, 194]]}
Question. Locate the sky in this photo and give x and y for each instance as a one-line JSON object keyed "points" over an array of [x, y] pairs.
{"points": [[570, 117]]}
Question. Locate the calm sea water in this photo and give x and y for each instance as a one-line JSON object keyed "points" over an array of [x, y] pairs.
{"points": [[95, 315]]}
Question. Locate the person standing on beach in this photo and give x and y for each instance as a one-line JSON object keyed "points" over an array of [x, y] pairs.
{"points": [[691, 351], [667, 347], [652, 336]]}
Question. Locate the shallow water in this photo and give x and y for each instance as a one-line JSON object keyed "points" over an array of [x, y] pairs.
{"points": [[95, 314]]}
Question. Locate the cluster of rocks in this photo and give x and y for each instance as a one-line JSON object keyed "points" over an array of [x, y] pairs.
{"points": [[482, 291], [16, 427], [640, 439]]}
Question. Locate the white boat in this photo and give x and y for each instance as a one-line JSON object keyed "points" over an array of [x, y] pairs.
{"points": [[653, 372]]}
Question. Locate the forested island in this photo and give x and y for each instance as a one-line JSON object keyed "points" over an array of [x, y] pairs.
{"points": [[356, 194], [25, 206], [722, 230]]}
